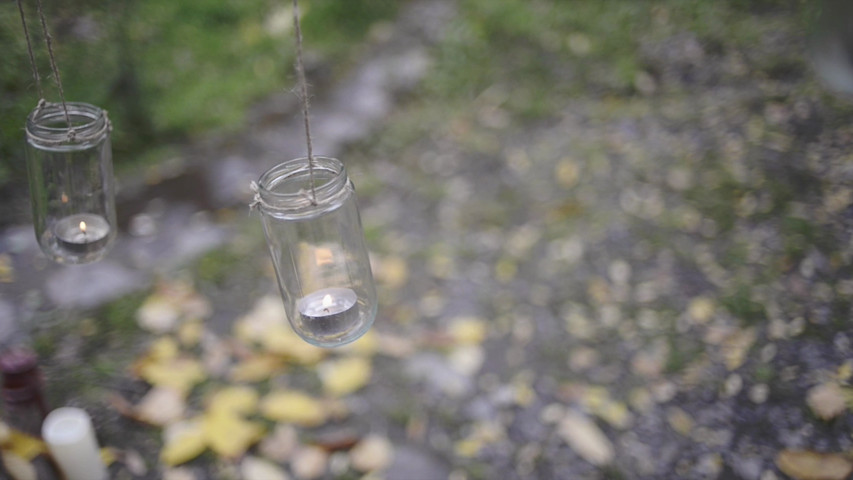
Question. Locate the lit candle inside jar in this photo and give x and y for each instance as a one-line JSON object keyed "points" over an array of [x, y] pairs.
{"points": [[329, 312], [70, 438], [82, 233]]}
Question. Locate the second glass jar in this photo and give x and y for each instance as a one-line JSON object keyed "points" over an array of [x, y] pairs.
{"points": [[318, 251]]}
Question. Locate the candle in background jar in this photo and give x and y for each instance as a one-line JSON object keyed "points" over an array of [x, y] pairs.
{"points": [[329, 312], [70, 438], [82, 234]]}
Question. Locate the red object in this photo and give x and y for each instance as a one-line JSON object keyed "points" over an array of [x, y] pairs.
{"points": [[22, 388]]}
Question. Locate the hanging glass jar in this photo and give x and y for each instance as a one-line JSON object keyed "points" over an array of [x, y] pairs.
{"points": [[317, 247], [69, 162]]}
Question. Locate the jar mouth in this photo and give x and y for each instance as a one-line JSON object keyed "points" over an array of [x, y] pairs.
{"points": [[288, 185], [47, 123]]}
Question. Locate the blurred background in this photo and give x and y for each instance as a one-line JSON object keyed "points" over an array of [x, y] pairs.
{"points": [[612, 240]]}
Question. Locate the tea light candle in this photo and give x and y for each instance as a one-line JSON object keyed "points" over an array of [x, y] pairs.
{"points": [[82, 233], [329, 311], [70, 438]]}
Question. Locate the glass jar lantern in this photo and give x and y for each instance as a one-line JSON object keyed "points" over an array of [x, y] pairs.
{"points": [[71, 181], [318, 251]]}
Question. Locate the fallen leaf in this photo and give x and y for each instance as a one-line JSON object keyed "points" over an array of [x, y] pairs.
{"points": [[5, 433], [701, 309], [181, 374], [190, 333], [281, 340], [372, 453], [344, 376], [367, 345], [24, 445], [268, 313], [585, 438], [230, 435], [7, 268], [827, 401], [108, 456], [18, 468], [736, 346], [256, 368], [680, 421], [239, 400], [309, 463], [293, 407], [254, 468], [393, 272], [281, 444], [158, 314], [807, 465], [161, 406], [467, 330], [183, 441]]}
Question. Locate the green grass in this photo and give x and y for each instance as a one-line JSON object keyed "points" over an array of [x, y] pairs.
{"points": [[167, 70]]}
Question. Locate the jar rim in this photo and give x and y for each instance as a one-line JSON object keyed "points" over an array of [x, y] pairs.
{"points": [[330, 179], [46, 124]]}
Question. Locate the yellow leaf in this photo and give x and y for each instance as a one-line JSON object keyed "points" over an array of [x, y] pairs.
{"points": [[161, 406], [367, 345], [108, 456], [281, 340], [845, 371], [806, 465], [468, 330], [235, 399], [24, 445], [228, 434], [827, 401], [18, 468], [736, 346], [293, 407], [190, 333], [256, 368], [267, 314], [5, 434], [346, 375], [181, 373], [164, 348], [183, 442], [393, 272], [701, 309]]}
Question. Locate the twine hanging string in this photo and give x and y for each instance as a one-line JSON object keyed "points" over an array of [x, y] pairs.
{"points": [[72, 135], [30, 51], [300, 70], [49, 40]]}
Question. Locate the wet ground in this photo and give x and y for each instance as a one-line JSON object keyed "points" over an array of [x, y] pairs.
{"points": [[641, 282]]}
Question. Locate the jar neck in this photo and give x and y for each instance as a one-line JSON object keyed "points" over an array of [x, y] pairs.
{"points": [[287, 187], [47, 124]]}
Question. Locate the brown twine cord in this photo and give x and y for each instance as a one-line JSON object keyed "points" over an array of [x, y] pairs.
{"points": [[30, 50], [49, 40], [300, 70]]}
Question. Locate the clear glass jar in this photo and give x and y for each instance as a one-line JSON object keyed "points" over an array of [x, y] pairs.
{"points": [[318, 251], [71, 181]]}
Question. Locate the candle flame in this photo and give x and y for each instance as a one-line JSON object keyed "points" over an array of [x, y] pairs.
{"points": [[83, 227], [327, 301]]}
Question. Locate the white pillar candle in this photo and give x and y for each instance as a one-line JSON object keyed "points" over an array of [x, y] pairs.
{"points": [[70, 438]]}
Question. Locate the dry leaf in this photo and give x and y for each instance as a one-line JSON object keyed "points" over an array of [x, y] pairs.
{"points": [[108, 456], [24, 445], [281, 340], [281, 444], [267, 314], [344, 376], [181, 374], [158, 314], [18, 468], [256, 368], [230, 435], [806, 465], [367, 345], [585, 438], [237, 400], [293, 407], [372, 453], [182, 473], [254, 468], [467, 330], [736, 346], [701, 309], [309, 462], [161, 406], [393, 272], [183, 441], [827, 401], [5, 433]]}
